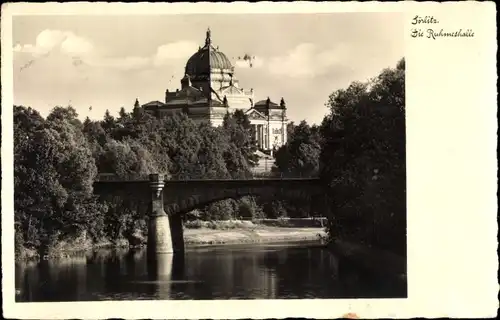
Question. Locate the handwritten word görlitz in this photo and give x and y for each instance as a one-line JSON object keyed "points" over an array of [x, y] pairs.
{"points": [[427, 19]]}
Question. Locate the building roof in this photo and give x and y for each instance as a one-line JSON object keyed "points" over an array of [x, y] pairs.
{"points": [[253, 113], [155, 103], [190, 96], [272, 105], [206, 59]]}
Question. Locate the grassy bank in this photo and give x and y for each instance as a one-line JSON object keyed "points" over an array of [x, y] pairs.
{"points": [[245, 224], [68, 247], [257, 234]]}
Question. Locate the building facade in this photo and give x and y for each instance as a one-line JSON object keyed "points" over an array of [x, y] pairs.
{"points": [[209, 90]]}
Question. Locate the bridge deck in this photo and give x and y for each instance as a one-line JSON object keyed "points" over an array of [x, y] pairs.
{"points": [[206, 180], [114, 179]]}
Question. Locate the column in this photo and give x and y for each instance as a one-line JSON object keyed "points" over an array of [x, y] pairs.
{"points": [[159, 235], [262, 136], [266, 137], [256, 134]]}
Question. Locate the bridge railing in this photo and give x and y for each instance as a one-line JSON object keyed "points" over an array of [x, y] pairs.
{"points": [[274, 175], [115, 177], [256, 176]]}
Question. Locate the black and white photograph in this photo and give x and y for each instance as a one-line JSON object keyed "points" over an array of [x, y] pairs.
{"points": [[209, 156]]}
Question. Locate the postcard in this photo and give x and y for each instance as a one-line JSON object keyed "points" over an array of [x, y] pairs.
{"points": [[249, 160]]}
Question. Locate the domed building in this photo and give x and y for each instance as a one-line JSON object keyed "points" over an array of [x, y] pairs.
{"points": [[209, 90]]}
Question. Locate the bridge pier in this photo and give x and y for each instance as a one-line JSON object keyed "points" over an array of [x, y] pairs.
{"points": [[164, 232], [177, 232]]}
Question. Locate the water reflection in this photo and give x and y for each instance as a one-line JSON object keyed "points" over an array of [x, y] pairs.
{"points": [[238, 272]]}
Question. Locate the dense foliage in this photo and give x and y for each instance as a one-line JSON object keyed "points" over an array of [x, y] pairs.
{"points": [[57, 160], [364, 158], [300, 156], [53, 175]]}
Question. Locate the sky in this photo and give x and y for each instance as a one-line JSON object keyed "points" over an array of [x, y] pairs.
{"points": [[106, 62]]}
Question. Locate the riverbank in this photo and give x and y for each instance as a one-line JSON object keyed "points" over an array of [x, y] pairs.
{"points": [[246, 224], [258, 234], [247, 233]]}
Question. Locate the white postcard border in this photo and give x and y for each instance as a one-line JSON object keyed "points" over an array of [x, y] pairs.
{"points": [[451, 163]]}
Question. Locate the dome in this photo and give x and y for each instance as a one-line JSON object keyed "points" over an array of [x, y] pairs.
{"points": [[206, 59]]}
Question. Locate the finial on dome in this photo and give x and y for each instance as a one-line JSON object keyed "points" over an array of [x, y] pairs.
{"points": [[136, 104], [208, 40]]}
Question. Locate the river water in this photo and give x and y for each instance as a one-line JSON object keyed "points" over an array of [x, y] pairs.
{"points": [[272, 271]]}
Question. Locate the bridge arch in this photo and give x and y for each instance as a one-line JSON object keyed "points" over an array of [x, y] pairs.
{"points": [[169, 199], [192, 202]]}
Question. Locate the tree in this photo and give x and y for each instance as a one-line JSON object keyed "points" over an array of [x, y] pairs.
{"points": [[94, 132], [300, 155], [126, 159], [54, 172], [67, 114], [248, 208], [363, 161], [123, 116], [220, 210], [238, 126], [210, 155], [274, 209], [57, 160], [290, 128], [109, 122], [27, 122]]}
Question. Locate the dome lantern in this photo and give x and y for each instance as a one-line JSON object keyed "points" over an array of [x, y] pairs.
{"points": [[206, 59]]}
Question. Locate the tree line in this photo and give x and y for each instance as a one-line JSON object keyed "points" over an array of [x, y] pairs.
{"points": [[358, 151], [58, 158]]}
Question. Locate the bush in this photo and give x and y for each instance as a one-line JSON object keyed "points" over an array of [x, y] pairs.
{"points": [[220, 210], [274, 209], [248, 208], [194, 224]]}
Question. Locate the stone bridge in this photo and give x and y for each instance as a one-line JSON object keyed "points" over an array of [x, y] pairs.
{"points": [[170, 199]]}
